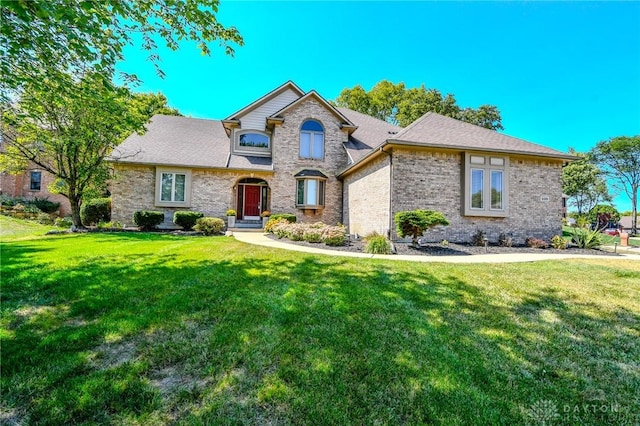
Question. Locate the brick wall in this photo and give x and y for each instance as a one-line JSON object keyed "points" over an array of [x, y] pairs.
{"points": [[433, 180], [287, 162], [367, 197], [20, 186]]}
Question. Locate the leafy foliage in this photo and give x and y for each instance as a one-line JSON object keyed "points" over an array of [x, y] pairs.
{"points": [[586, 238], [414, 223], [186, 219], [96, 210], [377, 244], [45, 205], [209, 225], [620, 158], [44, 39], [478, 238], [504, 240], [331, 235], [400, 105], [148, 219], [287, 216], [230, 212], [602, 214], [536, 243], [559, 243], [584, 183]]}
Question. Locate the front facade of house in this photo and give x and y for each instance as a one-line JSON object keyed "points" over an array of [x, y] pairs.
{"points": [[293, 152]]}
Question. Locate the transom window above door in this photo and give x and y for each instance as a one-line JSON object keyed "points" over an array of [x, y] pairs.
{"points": [[312, 140]]}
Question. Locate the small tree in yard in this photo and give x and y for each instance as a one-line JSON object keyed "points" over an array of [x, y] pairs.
{"points": [[415, 223]]}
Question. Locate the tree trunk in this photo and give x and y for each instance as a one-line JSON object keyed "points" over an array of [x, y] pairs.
{"points": [[75, 211], [634, 210]]}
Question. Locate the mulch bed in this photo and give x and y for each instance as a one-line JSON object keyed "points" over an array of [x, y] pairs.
{"points": [[451, 249]]}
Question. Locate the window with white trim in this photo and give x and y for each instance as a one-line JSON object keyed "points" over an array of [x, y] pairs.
{"points": [[310, 193], [312, 140], [486, 185], [173, 187]]}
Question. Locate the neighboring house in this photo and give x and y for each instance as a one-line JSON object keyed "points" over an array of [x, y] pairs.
{"points": [[626, 222], [293, 152], [31, 184]]}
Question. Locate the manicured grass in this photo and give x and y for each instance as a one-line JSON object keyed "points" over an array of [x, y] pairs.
{"points": [[153, 329]]}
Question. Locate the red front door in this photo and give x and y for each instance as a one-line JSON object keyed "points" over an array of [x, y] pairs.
{"points": [[252, 201]]}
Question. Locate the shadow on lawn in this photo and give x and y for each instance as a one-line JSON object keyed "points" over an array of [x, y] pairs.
{"points": [[291, 339]]}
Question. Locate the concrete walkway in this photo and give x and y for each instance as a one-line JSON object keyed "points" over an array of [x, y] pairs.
{"points": [[260, 239]]}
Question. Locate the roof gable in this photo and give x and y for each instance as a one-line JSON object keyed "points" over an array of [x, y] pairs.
{"points": [[289, 85], [345, 122]]}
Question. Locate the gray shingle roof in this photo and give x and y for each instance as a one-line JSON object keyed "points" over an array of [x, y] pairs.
{"points": [[440, 131], [370, 134], [183, 141]]}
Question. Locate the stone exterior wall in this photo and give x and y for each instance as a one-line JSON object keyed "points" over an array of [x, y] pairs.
{"points": [[287, 162], [212, 192], [367, 194], [434, 180]]}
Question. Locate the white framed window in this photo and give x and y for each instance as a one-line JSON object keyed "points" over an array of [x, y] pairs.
{"points": [[485, 185], [173, 187], [253, 142], [35, 181], [310, 193], [312, 140]]}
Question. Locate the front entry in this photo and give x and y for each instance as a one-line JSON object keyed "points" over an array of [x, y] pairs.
{"points": [[252, 202], [252, 198]]}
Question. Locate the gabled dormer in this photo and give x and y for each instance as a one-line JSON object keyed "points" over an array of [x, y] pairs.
{"points": [[249, 129]]}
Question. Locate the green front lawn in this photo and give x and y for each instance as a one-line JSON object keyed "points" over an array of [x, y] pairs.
{"points": [[155, 329]]}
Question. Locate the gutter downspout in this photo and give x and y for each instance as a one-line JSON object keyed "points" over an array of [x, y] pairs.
{"points": [[390, 189]]}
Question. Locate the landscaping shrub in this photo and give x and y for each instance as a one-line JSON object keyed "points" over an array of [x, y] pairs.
{"points": [[281, 228], [272, 223], [186, 219], [44, 219], [148, 219], [295, 231], [63, 222], [45, 205], [504, 240], [586, 238], [377, 244], [209, 225], [602, 214], [477, 239], [110, 225], [95, 210], [559, 243], [313, 234], [334, 235], [231, 212], [414, 223], [289, 217], [536, 243]]}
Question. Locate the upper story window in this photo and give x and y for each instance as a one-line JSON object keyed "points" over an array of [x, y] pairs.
{"points": [[35, 183], [312, 140], [253, 142], [486, 185]]}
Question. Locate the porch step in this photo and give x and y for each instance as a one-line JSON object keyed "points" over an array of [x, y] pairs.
{"points": [[249, 224], [236, 229]]}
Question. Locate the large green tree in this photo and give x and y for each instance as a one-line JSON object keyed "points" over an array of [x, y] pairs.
{"points": [[400, 105], [41, 41], [619, 157], [69, 136], [584, 183]]}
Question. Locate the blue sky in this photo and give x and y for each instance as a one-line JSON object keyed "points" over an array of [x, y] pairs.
{"points": [[562, 74]]}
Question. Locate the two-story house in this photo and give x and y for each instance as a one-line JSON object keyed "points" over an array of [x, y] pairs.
{"points": [[293, 152]]}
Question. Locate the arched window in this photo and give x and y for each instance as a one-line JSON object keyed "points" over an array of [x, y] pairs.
{"points": [[312, 140]]}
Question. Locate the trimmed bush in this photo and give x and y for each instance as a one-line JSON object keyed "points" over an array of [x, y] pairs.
{"points": [[295, 231], [47, 206], [186, 219], [272, 223], [559, 243], [334, 235], [504, 240], [414, 223], [477, 239], [536, 243], [313, 234], [377, 244], [289, 217], [209, 225], [95, 210], [148, 219]]}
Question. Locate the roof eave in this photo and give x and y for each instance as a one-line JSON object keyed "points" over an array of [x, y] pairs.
{"points": [[193, 166], [289, 84]]}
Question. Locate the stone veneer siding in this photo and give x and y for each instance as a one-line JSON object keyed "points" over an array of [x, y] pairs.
{"points": [[212, 192], [287, 162], [367, 194], [433, 180]]}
